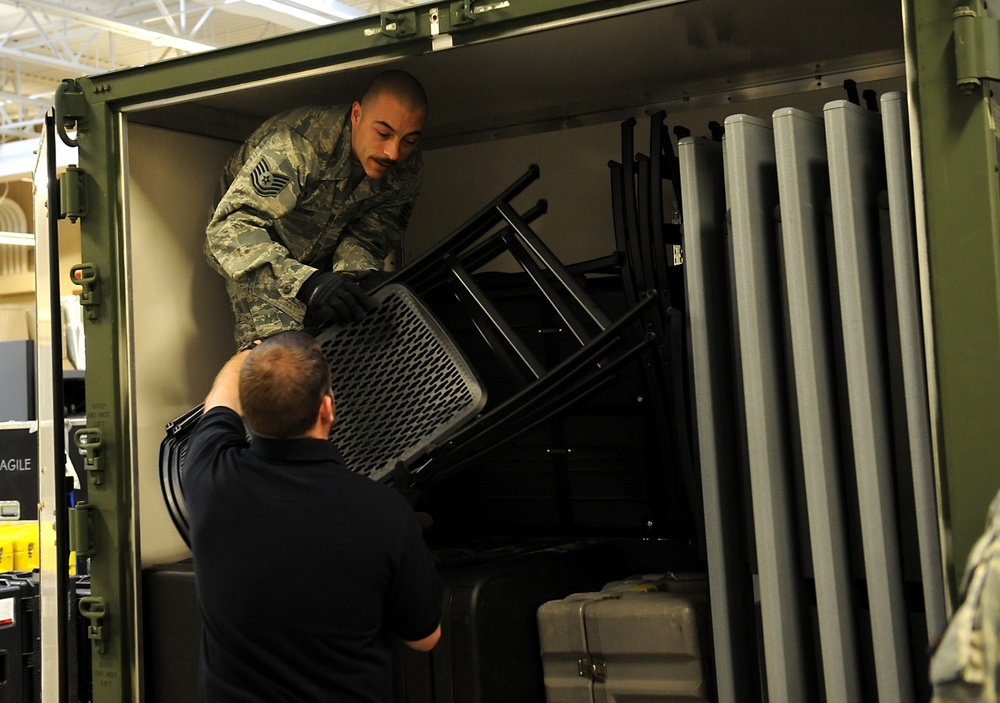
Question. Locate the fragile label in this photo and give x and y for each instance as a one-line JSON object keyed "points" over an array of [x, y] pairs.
{"points": [[15, 464]]}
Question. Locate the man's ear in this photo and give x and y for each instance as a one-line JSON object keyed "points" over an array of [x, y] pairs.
{"points": [[327, 409], [355, 114]]}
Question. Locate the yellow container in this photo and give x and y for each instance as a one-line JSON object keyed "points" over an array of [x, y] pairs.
{"points": [[25, 547], [6, 549]]}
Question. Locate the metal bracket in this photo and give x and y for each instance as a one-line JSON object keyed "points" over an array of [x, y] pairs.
{"points": [[90, 440], [86, 276], [598, 671], [70, 109], [399, 24], [73, 193], [461, 12], [95, 610], [82, 536], [977, 47]]}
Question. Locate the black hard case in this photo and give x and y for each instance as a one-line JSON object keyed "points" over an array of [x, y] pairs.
{"points": [[19, 644], [489, 650], [171, 633]]}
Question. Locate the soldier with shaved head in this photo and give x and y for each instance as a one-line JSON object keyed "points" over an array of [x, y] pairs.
{"points": [[312, 204]]}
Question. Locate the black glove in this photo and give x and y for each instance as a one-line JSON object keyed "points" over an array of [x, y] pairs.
{"points": [[332, 299]]}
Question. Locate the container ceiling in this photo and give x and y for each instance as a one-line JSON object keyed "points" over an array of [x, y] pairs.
{"points": [[674, 56]]}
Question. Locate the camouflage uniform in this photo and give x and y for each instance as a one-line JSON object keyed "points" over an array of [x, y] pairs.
{"points": [[965, 666], [285, 209]]}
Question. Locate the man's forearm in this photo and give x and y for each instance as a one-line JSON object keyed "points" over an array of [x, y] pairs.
{"points": [[225, 390]]}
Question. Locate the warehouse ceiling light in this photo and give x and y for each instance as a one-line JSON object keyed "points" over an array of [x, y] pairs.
{"points": [[339, 10], [312, 12]]}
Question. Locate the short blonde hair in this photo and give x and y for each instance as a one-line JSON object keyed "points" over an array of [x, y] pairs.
{"points": [[282, 383]]}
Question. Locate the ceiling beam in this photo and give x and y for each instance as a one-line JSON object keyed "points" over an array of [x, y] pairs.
{"points": [[25, 100], [75, 67], [115, 26]]}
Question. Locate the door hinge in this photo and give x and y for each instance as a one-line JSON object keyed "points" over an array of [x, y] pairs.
{"points": [[89, 440], [94, 609], [73, 193], [86, 276], [596, 670], [977, 47], [82, 536], [70, 109], [399, 24]]}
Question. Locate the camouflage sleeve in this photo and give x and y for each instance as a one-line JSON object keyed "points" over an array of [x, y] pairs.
{"points": [[369, 239], [238, 240]]}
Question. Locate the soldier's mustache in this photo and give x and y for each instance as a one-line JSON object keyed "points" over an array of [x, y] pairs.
{"points": [[388, 163]]}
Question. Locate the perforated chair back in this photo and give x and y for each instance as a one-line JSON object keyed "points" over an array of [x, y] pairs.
{"points": [[401, 384], [401, 387]]}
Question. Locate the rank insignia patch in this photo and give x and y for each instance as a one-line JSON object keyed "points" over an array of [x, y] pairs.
{"points": [[265, 182]]}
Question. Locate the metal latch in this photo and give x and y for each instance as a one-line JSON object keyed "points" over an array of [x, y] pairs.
{"points": [[86, 276], [95, 610], [977, 46], [90, 440], [70, 108], [73, 193], [461, 12], [399, 24], [596, 670], [82, 536]]}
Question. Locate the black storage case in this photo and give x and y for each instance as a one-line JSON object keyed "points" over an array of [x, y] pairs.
{"points": [[20, 673], [18, 472], [171, 633], [489, 650]]}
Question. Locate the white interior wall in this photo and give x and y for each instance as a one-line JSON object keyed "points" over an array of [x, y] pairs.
{"points": [[575, 180], [182, 326]]}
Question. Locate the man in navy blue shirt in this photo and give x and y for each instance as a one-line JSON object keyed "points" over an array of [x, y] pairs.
{"points": [[303, 568]]}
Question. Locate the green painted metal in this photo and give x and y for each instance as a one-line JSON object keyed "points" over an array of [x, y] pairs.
{"points": [[94, 105], [109, 475], [977, 47], [961, 192], [963, 216]]}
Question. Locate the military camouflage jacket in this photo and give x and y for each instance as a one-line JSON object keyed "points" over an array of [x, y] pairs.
{"points": [[965, 667], [285, 208]]}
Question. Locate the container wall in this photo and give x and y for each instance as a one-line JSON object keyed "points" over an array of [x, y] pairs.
{"points": [[181, 324]]}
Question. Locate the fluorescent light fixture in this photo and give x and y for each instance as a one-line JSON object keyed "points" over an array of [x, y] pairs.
{"points": [[289, 10], [17, 238], [312, 12], [331, 7]]}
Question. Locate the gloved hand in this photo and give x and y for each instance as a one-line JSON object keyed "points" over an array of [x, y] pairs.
{"points": [[332, 299]]}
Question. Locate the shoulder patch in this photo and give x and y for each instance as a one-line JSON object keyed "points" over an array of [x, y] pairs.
{"points": [[266, 182]]}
